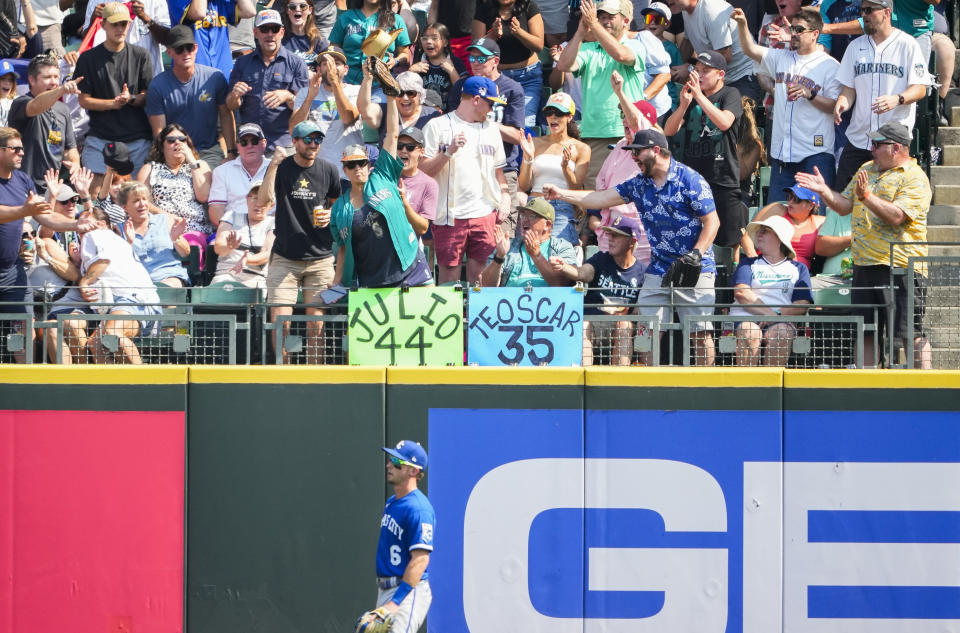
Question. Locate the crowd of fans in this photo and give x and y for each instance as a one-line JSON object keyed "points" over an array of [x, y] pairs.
{"points": [[517, 136]]}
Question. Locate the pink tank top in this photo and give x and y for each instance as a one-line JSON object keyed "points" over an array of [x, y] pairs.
{"points": [[803, 246]]}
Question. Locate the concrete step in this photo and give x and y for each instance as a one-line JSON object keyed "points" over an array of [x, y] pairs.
{"points": [[955, 116], [945, 251], [943, 338], [951, 154], [943, 316], [946, 194], [944, 175], [948, 136], [943, 233], [944, 214]]}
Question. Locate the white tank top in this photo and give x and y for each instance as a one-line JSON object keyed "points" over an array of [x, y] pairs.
{"points": [[546, 170]]}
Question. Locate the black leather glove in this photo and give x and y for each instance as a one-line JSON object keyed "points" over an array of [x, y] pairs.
{"points": [[684, 271]]}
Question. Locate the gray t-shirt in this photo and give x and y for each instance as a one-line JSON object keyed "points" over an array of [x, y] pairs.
{"points": [[709, 28]]}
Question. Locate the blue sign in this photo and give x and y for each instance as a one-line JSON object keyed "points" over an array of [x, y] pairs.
{"points": [[525, 326], [714, 521]]}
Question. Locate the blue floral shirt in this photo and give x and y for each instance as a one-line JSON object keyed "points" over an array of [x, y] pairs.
{"points": [[671, 214]]}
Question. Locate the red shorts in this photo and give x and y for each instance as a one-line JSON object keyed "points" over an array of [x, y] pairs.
{"points": [[473, 236]]}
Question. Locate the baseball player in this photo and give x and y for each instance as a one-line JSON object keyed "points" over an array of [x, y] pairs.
{"points": [[403, 552]]}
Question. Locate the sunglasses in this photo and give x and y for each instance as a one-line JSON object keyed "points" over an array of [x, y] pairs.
{"points": [[555, 112], [876, 144], [313, 139], [16, 149], [28, 234], [479, 59], [248, 141], [172, 140], [409, 94], [869, 10], [636, 152], [407, 146], [73, 200], [354, 164], [792, 197], [297, 7], [397, 463], [653, 18], [269, 28], [185, 48], [799, 29]]}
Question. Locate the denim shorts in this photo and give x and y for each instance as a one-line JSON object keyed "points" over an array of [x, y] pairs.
{"points": [[134, 307]]}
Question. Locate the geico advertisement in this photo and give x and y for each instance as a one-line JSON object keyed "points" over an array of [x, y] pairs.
{"points": [[695, 521]]}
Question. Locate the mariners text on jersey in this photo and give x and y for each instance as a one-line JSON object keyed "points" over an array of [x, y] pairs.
{"points": [[871, 68]]}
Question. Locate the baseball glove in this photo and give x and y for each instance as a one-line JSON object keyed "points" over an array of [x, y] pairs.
{"points": [[382, 74], [376, 621], [684, 271]]}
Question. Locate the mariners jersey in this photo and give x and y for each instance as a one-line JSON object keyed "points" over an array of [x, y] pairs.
{"points": [[874, 70], [775, 284], [407, 524], [800, 129], [211, 33]]}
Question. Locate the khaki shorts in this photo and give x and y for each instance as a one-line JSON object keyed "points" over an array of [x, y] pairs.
{"points": [[285, 277]]}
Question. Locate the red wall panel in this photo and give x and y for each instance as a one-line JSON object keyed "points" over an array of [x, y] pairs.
{"points": [[91, 530]]}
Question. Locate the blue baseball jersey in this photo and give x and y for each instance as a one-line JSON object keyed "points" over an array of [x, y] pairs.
{"points": [[211, 33], [407, 524]]}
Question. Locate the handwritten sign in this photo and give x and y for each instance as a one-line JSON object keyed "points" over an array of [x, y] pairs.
{"points": [[416, 326], [517, 326]]}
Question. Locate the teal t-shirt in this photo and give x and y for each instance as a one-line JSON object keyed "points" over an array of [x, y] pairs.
{"points": [[351, 28], [594, 70], [913, 17]]}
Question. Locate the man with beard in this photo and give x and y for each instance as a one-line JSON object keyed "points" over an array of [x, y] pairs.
{"points": [[883, 74], [678, 213], [805, 93], [594, 63], [305, 188]]}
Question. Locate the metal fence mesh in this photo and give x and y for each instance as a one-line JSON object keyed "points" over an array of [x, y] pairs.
{"points": [[309, 339], [933, 296]]}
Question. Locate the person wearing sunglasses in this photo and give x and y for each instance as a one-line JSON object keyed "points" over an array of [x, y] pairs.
{"points": [[331, 103], [210, 27], [231, 180], [405, 544], [804, 98], [300, 33], [884, 95], [413, 112], [267, 102], [656, 19], [304, 186], [113, 89], [889, 199], [373, 223], [594, 62], [179, 183], [801, 209], [561, 158], [678, 213], [194, 96]]}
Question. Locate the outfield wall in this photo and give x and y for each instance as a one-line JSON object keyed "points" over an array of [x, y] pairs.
{"points": [[248, 499]]}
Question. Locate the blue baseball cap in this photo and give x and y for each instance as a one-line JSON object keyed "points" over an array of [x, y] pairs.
{"points": [[482, 87], [6, 68], [410, 452], [802, 193]]}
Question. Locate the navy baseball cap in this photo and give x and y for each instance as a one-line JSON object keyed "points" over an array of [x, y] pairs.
{"points": [[625, 225], [713, 59], [410, 452], [802, 193], [482, 87], [250, 129], [647, 138], [487, 46]]}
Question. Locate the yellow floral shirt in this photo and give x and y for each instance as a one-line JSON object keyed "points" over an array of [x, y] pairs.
{"points": [[907, 187]]}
